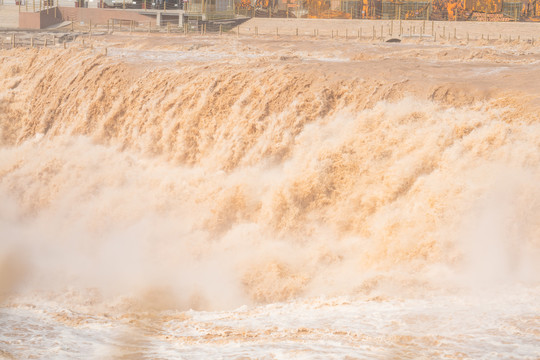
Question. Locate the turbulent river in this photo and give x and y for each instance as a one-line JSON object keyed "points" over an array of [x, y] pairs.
{"points": [[252, 198]]}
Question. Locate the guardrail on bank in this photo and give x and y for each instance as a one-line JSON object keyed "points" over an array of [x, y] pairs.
{"points": [[104, 4], [444, 10]]}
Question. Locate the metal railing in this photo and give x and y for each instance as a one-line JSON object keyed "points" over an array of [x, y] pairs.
{"points": [[327, 9], [111, 4], [443, 10]]}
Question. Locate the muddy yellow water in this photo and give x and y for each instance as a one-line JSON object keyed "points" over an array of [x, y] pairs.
{"points": [[270, 198]]}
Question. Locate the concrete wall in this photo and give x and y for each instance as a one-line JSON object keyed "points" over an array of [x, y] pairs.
{"points": [[101, 16], [39, 20], [9, 16]]}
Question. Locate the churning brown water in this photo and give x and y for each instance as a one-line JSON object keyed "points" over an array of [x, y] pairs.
{"points": [[254, 198]]}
